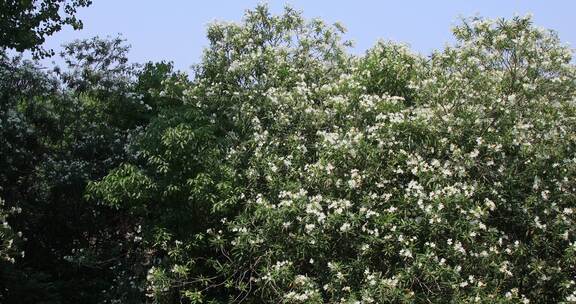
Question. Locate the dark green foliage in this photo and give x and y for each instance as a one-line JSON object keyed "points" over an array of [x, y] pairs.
{"points": [[25, 24], [59, 132]]}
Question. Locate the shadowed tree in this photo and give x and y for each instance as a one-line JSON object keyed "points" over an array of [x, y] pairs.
{"points": [[25, 24]]}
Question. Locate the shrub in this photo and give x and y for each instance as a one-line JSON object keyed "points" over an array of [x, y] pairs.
{"points": [[293, 172]]}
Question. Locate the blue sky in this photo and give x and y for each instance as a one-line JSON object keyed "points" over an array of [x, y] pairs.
{"points": [[175, 29]]}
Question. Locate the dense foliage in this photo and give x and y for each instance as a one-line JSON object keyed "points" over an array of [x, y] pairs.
{"points": [[61, 130], [287, 170]]}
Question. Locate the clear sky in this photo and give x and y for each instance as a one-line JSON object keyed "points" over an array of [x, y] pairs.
{"points": [[175, 29]]}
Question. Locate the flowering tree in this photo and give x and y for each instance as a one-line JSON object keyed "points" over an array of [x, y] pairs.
{"points": [[290, 171], [287, 170]]}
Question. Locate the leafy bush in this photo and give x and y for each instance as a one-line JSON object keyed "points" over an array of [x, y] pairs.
{"points": [[290, 171]]}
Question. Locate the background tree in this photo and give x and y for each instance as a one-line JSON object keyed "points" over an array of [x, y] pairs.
{"points": [[61, 130], [24, 25]]}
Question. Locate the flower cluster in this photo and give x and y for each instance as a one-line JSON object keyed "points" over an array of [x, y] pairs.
{"points": [[322, 177]]}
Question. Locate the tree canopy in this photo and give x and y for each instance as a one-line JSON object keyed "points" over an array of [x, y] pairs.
{"points": [[25, 24], [285, 169]]}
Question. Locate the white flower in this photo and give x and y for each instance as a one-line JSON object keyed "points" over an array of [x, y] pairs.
{"points": [[345, 227], [309, 227], [406, 253], [545, 195], [474, 153]]}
